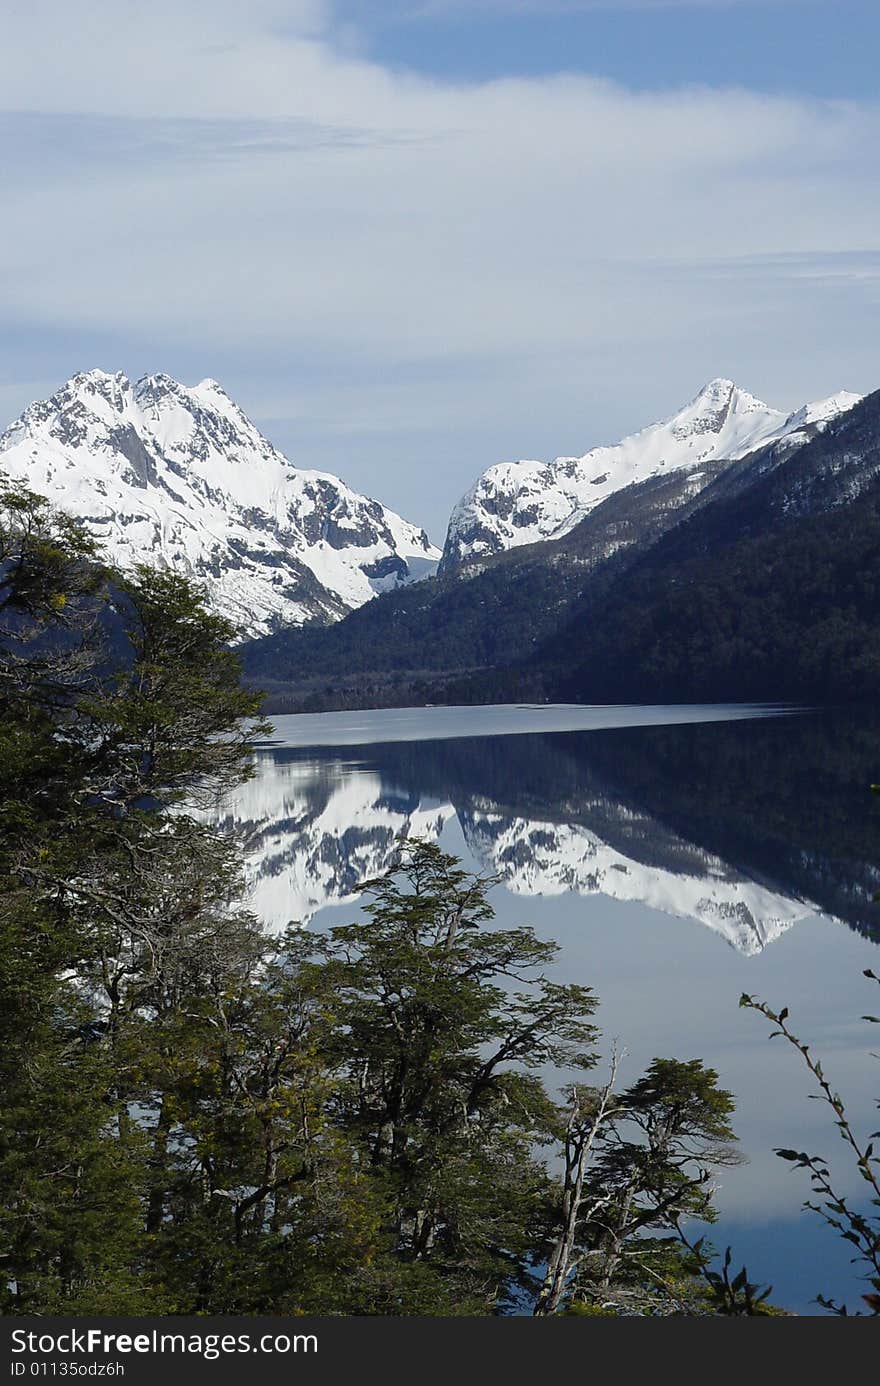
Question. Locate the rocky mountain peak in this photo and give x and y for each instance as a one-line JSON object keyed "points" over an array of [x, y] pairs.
{"points": [[178, 475], [515, 503], [713, 407]]}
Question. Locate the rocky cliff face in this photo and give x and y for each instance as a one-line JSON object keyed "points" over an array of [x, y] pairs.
{"points": [[179, 476]]}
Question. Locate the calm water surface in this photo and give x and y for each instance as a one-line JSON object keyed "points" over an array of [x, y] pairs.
{"points": [[679, 856]]}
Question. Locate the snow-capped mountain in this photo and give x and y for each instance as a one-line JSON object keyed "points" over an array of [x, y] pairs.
{"points": [[516, 503], [176, 475], [316, 829]]}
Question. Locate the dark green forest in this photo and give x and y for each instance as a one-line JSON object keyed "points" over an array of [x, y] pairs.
{"points": [[789, 615]]}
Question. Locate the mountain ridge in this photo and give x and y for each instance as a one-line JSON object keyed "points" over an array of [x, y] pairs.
{"points": [[567, 619], [179, 475], [518, 503]]}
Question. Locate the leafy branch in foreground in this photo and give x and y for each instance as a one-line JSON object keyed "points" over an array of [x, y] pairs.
{"points": [[860, 1229], [732, 1295]]}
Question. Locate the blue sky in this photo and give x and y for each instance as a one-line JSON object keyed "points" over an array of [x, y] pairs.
{"points": [[818, 46], [413, 239]]}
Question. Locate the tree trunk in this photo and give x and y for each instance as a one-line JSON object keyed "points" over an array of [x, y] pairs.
{"points": [[579, 1142]]}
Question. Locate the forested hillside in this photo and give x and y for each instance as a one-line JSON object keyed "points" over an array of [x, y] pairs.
{"points": [[774, 593], [485, 616], [761, 580], [787, 616]]}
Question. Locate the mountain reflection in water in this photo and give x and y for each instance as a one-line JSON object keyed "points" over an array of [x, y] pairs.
{"points": [[744, 826], [615, 843]]}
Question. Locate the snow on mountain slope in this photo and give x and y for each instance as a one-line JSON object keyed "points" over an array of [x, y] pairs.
{"points": [[316, 829], [805, 422], [179, 476], [515, 503]]}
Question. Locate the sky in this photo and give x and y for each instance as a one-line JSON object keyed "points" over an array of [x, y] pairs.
{"points": [[413, 238]]}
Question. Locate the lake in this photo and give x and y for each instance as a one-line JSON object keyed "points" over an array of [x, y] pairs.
{"points": [[679, 857]]}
